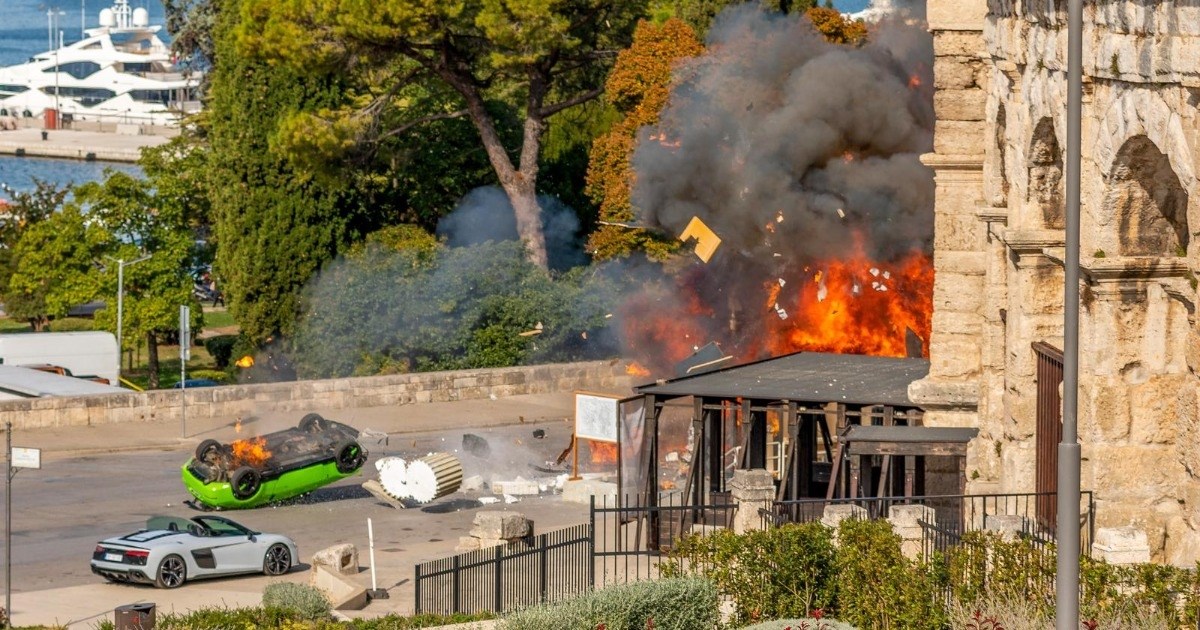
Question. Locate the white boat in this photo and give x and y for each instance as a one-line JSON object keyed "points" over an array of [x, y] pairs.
{"points": [[119, 73]]}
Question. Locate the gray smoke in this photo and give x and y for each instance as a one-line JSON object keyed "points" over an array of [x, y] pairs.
{"points": [[775, 122], [485, 214]]}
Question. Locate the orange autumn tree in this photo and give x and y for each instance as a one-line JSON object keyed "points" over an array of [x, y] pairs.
{"points": [[638, 87], [836, 27]]}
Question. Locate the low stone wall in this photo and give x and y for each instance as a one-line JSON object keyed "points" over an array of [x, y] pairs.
{"points": [[300, 396]]}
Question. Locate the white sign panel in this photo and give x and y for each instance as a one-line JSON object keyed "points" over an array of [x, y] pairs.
{"points": [[26, 457], [596, 417], [185, 333]]}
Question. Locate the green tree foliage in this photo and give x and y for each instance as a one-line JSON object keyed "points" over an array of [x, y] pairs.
{"points": [[135, 223], [24, 211], [53, 266], [422, 61], [638, 88], [406, 304], [274, 226]]}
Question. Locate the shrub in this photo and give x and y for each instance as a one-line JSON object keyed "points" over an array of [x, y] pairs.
{"points": [[802, 624], [780, 572], [423, 620], [670, 604], [219, 376], [220, 348], [306, 601], [877, 587]]}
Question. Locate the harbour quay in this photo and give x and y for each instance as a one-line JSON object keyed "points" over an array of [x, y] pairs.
{"points": [[77, 145]]}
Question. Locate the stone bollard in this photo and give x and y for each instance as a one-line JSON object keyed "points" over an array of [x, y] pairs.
{"points": [[496, 528], [906, 522], [341, 559], [1121, 545], [835, 514], [752, 490]]}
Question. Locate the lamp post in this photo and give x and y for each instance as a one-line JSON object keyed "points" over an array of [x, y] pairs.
{"points": [[1066, 587], [121, 264]]}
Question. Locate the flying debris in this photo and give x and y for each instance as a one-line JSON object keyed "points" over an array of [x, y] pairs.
{"points": [[707, 241], [537, 330]]}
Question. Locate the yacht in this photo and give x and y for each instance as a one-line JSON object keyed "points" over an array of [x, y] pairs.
{"points": [[119, 73]]}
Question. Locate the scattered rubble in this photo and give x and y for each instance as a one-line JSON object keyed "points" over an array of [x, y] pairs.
{"points": [[476, 445]]}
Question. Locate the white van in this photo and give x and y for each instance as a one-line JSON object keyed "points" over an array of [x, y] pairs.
{"points": [[83, 353]]}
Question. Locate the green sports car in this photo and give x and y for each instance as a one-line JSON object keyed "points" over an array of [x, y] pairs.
{"points": [[273, 467]]}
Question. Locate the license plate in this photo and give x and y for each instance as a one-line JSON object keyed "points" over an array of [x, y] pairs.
{"points": [[112, 557]]}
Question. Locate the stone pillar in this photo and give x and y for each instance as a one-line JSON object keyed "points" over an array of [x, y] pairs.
{"points": [[1121, 545], [751, 490], [906, 522], [496, 528], [835, 514], [1007, 525]]}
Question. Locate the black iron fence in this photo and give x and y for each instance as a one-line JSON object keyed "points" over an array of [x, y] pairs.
{"points": [[543, 568], [952, 515], [632, 537]]}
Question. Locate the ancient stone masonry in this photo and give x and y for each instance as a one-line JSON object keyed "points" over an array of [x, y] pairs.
{"points": [[999, 162]]}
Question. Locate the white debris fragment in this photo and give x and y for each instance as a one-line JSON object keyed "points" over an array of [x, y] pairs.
{"points": [[608, 316], [841, 213], [673, 456], [779, 217], [874, 271], [855, 289], [561, 481], [508, 498], [488, 500], [821, 290], [472, 483], [780, 312], [782, 282], [887, 275], [778, 255]]}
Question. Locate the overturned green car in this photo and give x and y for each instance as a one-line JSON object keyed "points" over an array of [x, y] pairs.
{"points": [[273, 467]]}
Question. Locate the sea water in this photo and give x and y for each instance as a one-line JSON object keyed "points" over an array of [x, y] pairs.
{"points": [[28, 28]]}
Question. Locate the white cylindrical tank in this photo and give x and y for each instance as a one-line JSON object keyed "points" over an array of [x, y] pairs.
{"points": [[141, 17], [107, 19]]}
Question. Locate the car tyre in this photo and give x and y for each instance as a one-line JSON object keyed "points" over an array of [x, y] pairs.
{"points": [[206, 448], [244, 482], [349, 456], [172, 572], [312, 423], [278, 560]]}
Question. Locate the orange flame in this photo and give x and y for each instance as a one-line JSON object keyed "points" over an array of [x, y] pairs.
{"points": [[636, 369], [603, 452], [252, 452], [851, 304], [914, 82]]}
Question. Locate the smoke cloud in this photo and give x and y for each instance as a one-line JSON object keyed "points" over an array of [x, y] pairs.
{"points": [[793, 151], [485, 214]]}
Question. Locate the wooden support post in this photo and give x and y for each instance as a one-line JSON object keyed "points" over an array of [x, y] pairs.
{"points": [[910, 475], [654, 525], [854, 475]]}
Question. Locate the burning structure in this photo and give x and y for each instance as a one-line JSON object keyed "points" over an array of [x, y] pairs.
{"points": [[999, 156]]}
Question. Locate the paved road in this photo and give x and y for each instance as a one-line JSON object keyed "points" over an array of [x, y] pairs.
{"points": [[84, 494]]}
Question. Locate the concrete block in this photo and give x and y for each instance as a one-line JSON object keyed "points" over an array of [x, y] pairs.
{"points": [[1009, 525], [342, 559], [343, 594], [582, 490], [472, 484], [1122, 545], [516, 487], [467, 543], [500, 525]]}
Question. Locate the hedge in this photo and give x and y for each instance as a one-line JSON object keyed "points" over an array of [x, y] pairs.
{"points": [[671, 604]]}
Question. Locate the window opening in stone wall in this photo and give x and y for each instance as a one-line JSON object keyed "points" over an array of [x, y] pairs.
{"points": [[1145, 194], [1045, 175]]}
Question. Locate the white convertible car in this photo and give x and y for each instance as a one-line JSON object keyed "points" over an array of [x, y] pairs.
{"points": [[171, 551]]}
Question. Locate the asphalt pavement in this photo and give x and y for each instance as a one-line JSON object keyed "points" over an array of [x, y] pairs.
{"points": [[77, 599]]}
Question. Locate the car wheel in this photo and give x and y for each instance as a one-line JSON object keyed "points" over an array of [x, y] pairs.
{"points": [[206, 448], [244, 482], [349, 456], [312, 423], [172, 572], [278, 560]]}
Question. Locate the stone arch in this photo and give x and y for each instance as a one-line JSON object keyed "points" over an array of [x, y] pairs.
{"points": [[1146, 197], [1046, 174]]}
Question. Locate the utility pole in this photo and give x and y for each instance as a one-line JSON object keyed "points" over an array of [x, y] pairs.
{"points": [[8, 475], [1066, 586]]}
